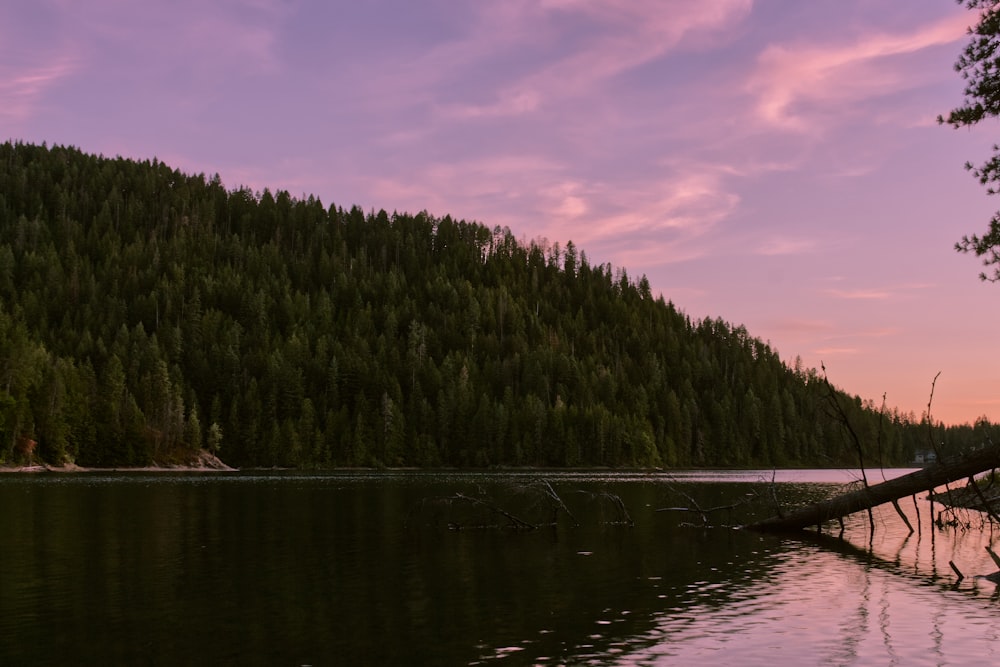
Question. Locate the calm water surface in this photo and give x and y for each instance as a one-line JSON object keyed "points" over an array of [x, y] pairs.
{"points": [[411, 568]]}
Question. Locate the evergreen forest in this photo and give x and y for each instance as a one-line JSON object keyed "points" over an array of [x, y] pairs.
{"points": [[147, 315]]}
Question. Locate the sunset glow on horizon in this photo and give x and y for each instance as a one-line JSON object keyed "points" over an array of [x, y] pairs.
{"points": [[774, 164]]}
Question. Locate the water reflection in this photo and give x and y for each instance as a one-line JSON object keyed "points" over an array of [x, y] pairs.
{"points": [[832, 602], [313, 569]]}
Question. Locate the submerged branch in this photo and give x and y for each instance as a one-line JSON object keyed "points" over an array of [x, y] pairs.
{"points": [[695, 508], [515, 521], [545, 488], [522, 506], [930, 477], [842, 416]]}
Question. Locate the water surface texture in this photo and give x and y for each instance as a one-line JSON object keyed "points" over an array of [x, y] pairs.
{"points": [[423, 568]]}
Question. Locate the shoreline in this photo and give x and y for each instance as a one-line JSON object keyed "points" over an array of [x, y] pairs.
{"points": [[210, 463], [204, 462]]}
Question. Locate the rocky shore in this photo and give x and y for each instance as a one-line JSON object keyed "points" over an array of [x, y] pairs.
{"points": [[204, 462]]}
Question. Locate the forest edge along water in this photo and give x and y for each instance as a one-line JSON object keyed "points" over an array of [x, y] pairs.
{"points": [[146, 313], [202, 461]]}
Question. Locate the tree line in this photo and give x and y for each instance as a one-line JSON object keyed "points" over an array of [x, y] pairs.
{"points": [[146, 314]]}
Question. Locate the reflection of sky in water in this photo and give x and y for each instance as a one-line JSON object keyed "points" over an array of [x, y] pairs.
{"points": [[824, 608], [659, 592], [856, 599], [829, 476], [806, 476]]}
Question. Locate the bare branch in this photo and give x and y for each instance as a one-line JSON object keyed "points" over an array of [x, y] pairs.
{"points": [[493, 507]]}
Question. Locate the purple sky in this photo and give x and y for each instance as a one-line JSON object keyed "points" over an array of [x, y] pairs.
{"points": [[773, 163]]}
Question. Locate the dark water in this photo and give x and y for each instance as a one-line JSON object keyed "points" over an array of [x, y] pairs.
{"points": [[403, 568]]}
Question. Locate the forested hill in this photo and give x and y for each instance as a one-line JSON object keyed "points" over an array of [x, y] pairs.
{"points": [[147, 314]]}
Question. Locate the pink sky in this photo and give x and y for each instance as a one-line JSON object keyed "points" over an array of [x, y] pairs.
{"points": [[773, 163]]}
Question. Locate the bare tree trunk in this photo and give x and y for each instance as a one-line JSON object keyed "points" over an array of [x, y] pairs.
{"points": [[864, 499]]}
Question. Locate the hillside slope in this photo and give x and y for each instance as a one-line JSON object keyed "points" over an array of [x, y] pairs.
{"points": [[146, 313]]}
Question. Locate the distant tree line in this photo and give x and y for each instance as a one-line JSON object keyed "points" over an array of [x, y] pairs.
{"points": [[146, 314]]}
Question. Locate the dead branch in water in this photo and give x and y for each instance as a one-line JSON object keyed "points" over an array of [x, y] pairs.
{"points": [[461, 511], [624, 516], [695, 508], [930, 422], [842, 415], [987, 506], [515, 521], [916, 482], [549, 494], [881, 466], [527, 506]]}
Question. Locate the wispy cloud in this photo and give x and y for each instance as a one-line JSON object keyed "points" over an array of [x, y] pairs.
{"points": [[836, 351], [634, 33], [236, 44], [906, 290], [213, 36], [510, 102], [484, 187], [798, 325], [786, 246], [22, 89], [862, 294], [796, 85], [663, 221], [846, 338], [826, 338], [578, 45]]}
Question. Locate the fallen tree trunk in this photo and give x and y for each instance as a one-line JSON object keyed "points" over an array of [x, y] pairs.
{"points": [[925, 479]]}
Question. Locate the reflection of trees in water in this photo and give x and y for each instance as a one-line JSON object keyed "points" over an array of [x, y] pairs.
{"points": [[905, 556], [521, 505], [647, 592], [955, 539], [598, 586], [915, 559], [884, 621], [839, 604]]}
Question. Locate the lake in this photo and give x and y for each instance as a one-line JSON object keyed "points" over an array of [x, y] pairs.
{"points": [[392, 568]]}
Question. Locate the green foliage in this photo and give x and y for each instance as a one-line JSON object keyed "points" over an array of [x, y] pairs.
{"points": [[145, 313], [979, 66]]}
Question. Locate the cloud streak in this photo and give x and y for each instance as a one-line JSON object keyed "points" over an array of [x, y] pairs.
{"points": [[861, 294], [22, 90], [578, 46], [796, 87], [786, 246]]}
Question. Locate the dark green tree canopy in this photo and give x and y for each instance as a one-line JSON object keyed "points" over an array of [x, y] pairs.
{"points": [[146, 314], [979, 66]]}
